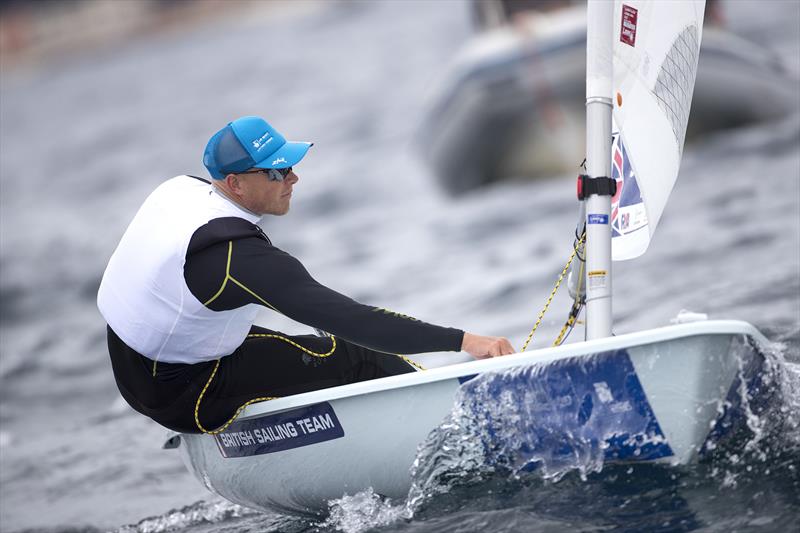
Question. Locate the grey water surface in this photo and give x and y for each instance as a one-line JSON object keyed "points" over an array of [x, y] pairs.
{"points": [[85, 139]]}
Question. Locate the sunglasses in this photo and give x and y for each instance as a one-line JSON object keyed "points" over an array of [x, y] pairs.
{"points": [[273, 174]]}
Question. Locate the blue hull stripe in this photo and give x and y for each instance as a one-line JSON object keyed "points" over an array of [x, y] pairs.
{"points": [[569, 407]]}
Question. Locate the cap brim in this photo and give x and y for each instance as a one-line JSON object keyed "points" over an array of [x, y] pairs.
{"points": [[286, 156]]}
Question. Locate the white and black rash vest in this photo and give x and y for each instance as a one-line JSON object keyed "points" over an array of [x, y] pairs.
{"points": [[192, 270]]}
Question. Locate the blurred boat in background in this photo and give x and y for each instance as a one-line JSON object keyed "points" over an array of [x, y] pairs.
{"points": [[511, 105]]}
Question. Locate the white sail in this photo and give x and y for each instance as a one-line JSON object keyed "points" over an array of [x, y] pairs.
{"points": [[655, 51]]}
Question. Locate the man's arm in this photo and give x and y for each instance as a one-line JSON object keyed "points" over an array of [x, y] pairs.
{"points": [[231, 263], [249, 270]]}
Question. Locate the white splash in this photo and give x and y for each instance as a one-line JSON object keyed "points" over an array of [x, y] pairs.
{"points": [[198, 513], [363, 511]]}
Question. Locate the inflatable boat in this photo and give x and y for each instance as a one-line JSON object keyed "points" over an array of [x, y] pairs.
{"points": [[511, 105]]}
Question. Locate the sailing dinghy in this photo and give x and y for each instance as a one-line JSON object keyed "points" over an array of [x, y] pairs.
{"points": [[667, 395]]}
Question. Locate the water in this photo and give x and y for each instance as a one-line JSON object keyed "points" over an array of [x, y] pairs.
{"points": [[86, 139]]}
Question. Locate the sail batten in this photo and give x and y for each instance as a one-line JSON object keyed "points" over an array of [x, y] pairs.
{"points": [[675, 82]]}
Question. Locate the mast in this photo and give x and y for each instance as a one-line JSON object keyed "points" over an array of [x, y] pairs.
{"points": [[599, 38]]}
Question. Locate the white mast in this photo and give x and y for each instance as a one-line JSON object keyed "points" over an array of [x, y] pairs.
{"points": [[599, 38]]}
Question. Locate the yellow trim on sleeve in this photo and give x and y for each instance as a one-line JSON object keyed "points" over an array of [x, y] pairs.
{"points": [[253, 294], [244, 287], [227, 275]]}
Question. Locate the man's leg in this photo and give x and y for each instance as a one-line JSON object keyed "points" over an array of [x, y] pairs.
{"points": [[271, 364]]}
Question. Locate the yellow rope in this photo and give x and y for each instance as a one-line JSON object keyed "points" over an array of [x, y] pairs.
{"points": [[576, 308], [224, 426], [559, 339], [553, 292]]}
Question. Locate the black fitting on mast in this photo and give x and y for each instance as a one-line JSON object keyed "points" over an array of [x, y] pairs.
{"points": [[601, 186]]}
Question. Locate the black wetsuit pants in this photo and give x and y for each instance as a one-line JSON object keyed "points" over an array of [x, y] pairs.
{"points": [[260, 367]]}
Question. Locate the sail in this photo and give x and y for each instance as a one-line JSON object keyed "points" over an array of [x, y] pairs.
{"points": [[655, 51]]}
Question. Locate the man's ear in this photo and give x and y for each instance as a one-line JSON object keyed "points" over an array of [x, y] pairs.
{"points": [[232, 181]]}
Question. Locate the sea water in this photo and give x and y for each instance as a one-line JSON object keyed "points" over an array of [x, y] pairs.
{"points": [[85, 139]]}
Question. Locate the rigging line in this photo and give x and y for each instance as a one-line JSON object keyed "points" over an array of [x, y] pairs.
{"points": [[577, 304], [553, 292]]}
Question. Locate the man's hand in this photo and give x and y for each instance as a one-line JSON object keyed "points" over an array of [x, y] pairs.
{"points": [[481, 347]]}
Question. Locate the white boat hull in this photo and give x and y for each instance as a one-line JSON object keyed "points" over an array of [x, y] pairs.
{"points": [[659, 395]]}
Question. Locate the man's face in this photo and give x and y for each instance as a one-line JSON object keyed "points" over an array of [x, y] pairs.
{"points": [[264, 196]]}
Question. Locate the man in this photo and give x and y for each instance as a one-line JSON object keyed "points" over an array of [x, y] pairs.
{"points": [[184, 285]]}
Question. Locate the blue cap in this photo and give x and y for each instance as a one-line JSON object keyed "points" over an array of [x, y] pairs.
{"points": [[250, 142]]}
